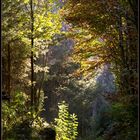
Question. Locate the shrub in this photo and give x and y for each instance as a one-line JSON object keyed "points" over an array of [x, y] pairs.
{"points": [[66, 123]]}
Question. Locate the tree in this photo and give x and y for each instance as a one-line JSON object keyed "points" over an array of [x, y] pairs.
{"points": [[34, 24], [13, 56], [22, 42], [105, 34]]}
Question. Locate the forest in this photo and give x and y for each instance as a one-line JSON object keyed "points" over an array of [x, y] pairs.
{"points": [[69, 69]]}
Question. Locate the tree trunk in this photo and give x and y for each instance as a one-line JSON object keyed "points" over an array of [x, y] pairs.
{"points": [[9, 73], [122, 54], [132, 55], [32, 61], [134, 7]]}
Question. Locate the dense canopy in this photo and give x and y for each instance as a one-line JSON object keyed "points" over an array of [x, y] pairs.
{"points": [[70, 69]]}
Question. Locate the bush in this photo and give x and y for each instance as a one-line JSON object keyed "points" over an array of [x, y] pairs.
{"points": [[66, 123]]}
